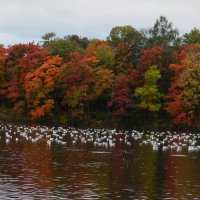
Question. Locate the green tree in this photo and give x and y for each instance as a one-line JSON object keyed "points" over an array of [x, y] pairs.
{"points": [[83, 42], [150, 97], [162, 33], [63, 47], [193, 37], [127, 35], [47, 38]]}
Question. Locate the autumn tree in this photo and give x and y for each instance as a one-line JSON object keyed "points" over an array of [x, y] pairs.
{"points": [[103, 52], [149, 95], [162, 58], [120, 97], [82, 83], [3, 83], [150, 56], [190, 83], [14, 55], [123, 61], [183, 97], [21, 59], [39, 84]]}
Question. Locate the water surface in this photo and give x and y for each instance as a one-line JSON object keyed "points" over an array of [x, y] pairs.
{"points": [[82, 170]]}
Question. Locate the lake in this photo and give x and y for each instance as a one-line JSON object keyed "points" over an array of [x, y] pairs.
{"points": [[42, 162]]}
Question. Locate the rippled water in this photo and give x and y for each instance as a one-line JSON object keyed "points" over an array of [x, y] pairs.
{"points": [[39, 171]]}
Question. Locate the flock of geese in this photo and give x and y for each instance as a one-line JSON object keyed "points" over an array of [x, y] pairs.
{"points": [[102, 138]]}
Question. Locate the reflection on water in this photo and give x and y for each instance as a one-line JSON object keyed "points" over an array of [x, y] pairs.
{"points": [[36, 170]]}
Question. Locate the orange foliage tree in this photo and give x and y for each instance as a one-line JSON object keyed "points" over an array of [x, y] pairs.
{"points": [[20, 60], [38, 86]]}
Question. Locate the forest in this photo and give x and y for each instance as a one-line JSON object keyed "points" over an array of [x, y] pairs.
{"points": [[148, 77]]}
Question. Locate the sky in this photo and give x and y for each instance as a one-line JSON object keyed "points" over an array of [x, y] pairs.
{"points": [[23, 21]]}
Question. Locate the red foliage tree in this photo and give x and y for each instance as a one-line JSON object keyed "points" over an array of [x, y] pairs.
{"points": [[123, 59], [3, 83], [20, 60], [151, 56], [175, 104], [183, 98], [120, 97]]}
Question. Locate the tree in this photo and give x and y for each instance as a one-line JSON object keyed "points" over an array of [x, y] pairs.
{"points": [[82, 83], [83, 42], [190, 83], [47, 38], [103, 52], [150, 97], [39, 85], [162, 33], [63, 48], [123, 60], [120, 97], [128, 36], [3, 83], [124, 34], [150, 56], [161, 57], [21, 59], [184, 93], [193, 37]]}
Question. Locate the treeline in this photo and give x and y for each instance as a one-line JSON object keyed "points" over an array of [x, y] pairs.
{"points": [[134, 77]]}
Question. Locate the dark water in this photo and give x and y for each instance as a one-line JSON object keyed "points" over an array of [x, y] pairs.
{"points": [[38, 171]]}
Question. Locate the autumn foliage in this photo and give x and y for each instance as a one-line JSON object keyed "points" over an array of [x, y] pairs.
{"points": [[120, 97], [38, 86], [129, 73], [184, 92]]}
